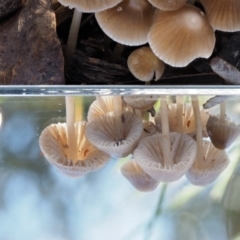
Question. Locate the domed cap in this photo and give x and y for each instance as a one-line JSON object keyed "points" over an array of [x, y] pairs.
{"points": [[222, 135], [54, 145], [178, 37], [90, 5], [145, 65], [127, 23], [102, 133], [167, 5], [223, 15], [149, 155], [137, 177], [214, 162]]}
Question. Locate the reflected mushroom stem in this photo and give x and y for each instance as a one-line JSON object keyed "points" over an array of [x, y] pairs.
{"points": [[222, 112], [200, 157], [70, 119], [165, 133], [73, 36], [118, 118], [180, 113]]}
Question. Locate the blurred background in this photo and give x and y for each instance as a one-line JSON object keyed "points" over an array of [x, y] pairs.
{"points": [[37, 202]]}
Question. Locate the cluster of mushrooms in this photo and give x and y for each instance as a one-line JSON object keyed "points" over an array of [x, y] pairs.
{"points": [[177, 31], [165, 145]]}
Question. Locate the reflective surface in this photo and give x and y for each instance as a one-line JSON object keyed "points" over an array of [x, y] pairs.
{"points": [[39, 202]]}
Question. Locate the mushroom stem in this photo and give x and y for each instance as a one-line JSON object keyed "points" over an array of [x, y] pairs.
{"points": [[180, 113], [165, 133], [117, 104], [200, 157], [71, 136], [73, 35], [222, 112]]}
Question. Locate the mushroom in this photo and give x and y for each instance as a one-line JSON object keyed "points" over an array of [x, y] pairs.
{"points": [[178, 37], [223, 15], [79, 8], [221, 130], [65, 146], [114, 137], [137, 177], [165, 157], [56, 148], [128, 22], [210, 162], [144, 65], [167, 5]]}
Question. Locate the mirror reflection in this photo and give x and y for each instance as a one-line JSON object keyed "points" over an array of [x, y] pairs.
{"points": [[120, 167]]}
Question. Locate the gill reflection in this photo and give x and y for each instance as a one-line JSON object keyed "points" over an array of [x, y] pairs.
{"points": [[116, 127], [112, 203]]}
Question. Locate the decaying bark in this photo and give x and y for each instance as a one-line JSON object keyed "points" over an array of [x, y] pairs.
{"points": [[30, 51]]}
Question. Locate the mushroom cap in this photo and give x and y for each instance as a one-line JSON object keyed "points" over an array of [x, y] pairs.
{"points": [[215, 162], [137, 177], [223, 15], [54, 146], [90, 5], [188, 119], [143, 103], [222, 135], [178, 37], [149, 156], [102, 134], [144, 65], [167, 5], [127, 23]]}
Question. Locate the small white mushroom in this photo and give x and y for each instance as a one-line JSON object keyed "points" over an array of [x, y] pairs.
{"points": [[166, 157], [55, 146], [209, 162], [117, 135], [137, 177]]}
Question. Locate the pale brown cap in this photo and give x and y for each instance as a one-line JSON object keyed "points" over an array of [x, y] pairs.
{"points": [[149, 155], [222, 135], [102, 134], [90, 5], [223, 15], [215, 161], [137, 177], [167, 5], [127, 23], [53, 143], [145, 65], [178, 37]]}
